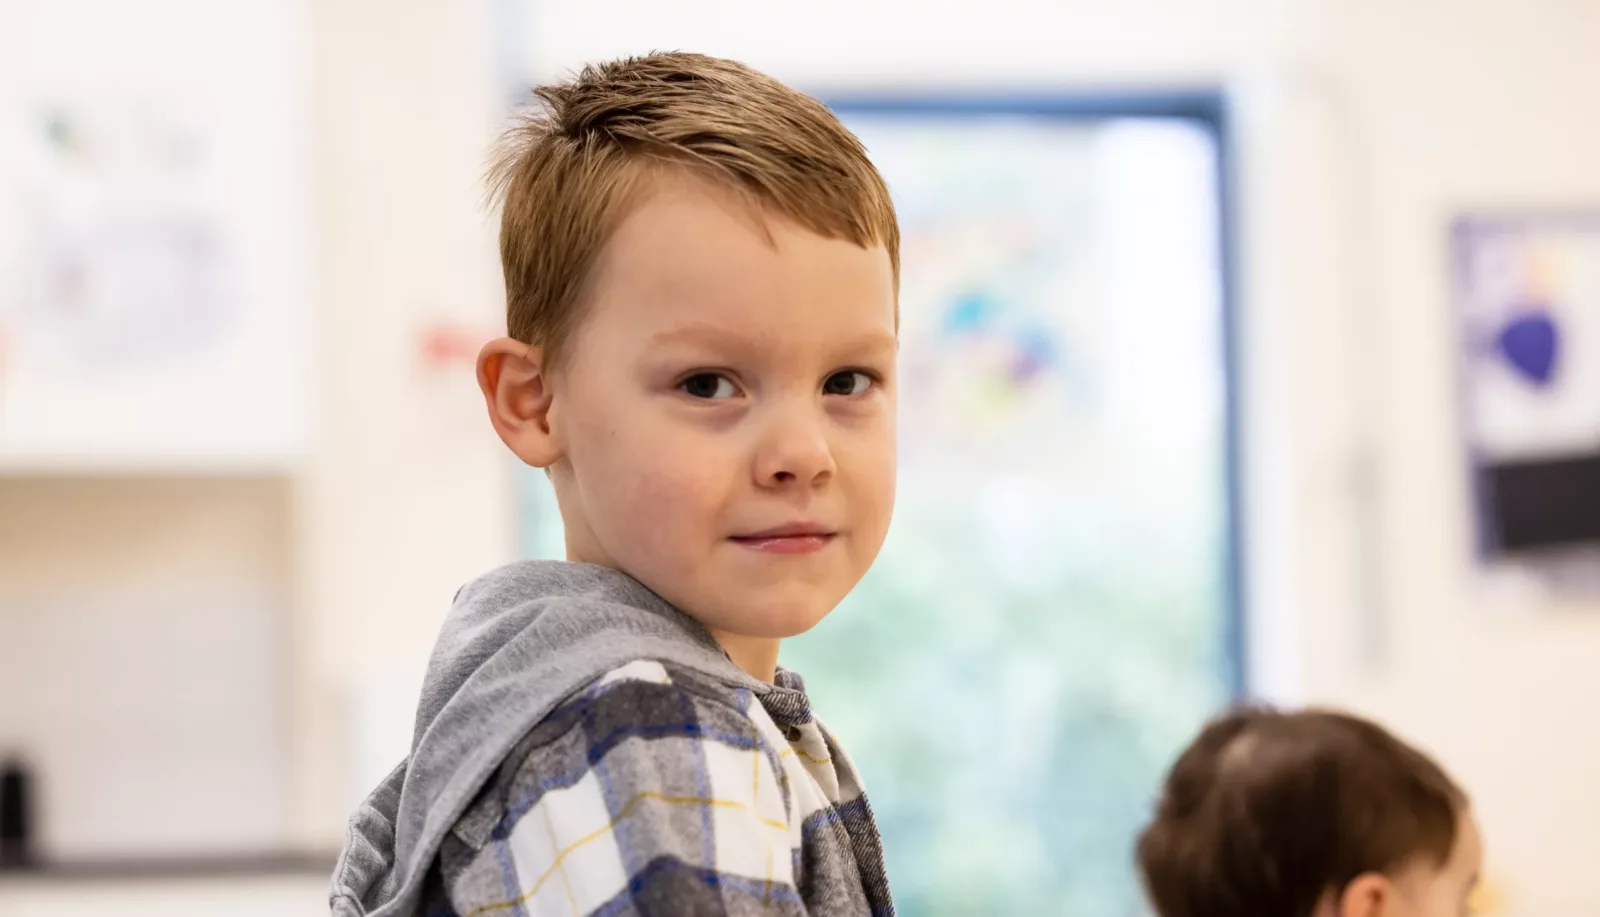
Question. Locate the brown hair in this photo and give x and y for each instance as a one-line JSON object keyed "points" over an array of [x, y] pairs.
{"points": [[1266, 812], [568, 171]]}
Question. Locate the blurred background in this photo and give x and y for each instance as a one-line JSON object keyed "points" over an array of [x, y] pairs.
{"points": [[1251, 347]]}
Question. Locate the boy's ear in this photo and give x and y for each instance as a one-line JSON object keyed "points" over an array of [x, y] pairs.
{"points": [[1368, 895], [517, 393]]}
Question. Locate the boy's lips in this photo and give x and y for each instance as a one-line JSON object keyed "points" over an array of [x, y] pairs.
{"points": [[794, 538]]}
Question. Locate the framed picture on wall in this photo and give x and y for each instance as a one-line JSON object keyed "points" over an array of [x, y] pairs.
{"points": [[154, 253], [1527, 290]]}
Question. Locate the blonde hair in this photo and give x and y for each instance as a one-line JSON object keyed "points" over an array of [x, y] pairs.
{"points": [[566, 173]]}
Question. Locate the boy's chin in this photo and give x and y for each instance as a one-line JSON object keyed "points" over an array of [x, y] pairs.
{"points": [[774, 609], [766, 617]]}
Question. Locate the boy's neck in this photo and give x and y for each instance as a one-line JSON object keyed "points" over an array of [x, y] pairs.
{"points": [[758, 656]]}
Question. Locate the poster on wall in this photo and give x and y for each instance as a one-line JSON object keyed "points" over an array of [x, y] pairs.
{"points": [[127, 248], [153, 247], [1528, 299]]}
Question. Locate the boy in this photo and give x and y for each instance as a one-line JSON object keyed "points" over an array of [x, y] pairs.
{"points": [[701, 270], [1313, 814]]}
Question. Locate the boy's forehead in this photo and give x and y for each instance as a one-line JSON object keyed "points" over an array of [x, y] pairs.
{"points": [[670, 206], [681, 188], [690, 249], [677, 222]]}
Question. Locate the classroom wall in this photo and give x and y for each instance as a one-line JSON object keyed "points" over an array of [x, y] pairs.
{"points": [[1472, 105], [145, 566], [410, 497], [1362, 127]]}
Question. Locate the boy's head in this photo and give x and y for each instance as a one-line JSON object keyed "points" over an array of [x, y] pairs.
{"points": [[701, 271], [1311, 814]]}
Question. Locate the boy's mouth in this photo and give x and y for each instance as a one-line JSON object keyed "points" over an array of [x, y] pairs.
{"points": [[795, 538]]}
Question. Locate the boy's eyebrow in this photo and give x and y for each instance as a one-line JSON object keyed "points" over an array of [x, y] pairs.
{"points": [[878, 339]]}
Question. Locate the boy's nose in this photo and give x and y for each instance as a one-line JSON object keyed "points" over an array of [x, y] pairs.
{"points": [[794, 451]]}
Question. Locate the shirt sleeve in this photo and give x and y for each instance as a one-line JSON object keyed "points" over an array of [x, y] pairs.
{"points": [[639, 796]]}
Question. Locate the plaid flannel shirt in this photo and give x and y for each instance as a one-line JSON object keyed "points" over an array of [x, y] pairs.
{"points": [[658, 790]]}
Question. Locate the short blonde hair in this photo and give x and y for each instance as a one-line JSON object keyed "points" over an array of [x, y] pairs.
{"points": [[566, 173]]}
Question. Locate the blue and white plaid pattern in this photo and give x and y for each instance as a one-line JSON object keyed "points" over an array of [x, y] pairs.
{"points": [[659, 791]]}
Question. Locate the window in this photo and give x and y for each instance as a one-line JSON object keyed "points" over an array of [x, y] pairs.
{"points": [[1057, 607]]}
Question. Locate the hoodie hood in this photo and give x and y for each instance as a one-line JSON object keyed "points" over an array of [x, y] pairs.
{"points": [[517, 642]]}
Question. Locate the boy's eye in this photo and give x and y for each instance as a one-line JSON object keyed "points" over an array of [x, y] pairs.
{"points": [[708, 386], [847, 383]]}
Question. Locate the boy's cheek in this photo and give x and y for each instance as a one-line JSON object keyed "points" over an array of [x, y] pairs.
{"points": [[871, 461], [666, 507]]}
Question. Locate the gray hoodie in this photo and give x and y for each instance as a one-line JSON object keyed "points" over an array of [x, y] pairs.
{"points": [[519, 641], [554, 680]]}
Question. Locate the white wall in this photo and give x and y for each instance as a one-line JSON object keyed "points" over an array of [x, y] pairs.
{"points": [[409, 496], [144, 509], [1472, 105], [359, 535]]}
